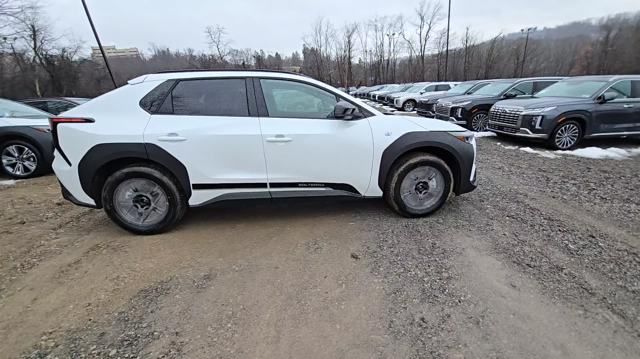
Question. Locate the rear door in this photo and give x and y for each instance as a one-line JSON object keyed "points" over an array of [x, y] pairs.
{"points": [[308, 150], [623, 113], [211, 126]]}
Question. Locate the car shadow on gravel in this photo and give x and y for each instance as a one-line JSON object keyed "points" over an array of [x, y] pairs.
{"points": [[289, 208]]}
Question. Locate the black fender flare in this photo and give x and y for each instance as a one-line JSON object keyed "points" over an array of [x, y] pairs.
{"points": [[459, 155], [100, 155]]}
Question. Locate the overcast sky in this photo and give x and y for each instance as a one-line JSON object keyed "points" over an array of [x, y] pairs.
{"points": [[279, 25]]}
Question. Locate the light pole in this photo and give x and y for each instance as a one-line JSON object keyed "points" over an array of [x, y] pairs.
{"points": [[95, 33], [446, 56], [526, 43]]}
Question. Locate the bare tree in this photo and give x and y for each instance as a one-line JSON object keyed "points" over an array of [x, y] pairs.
{"points": [[218, 41], [468, 47], [428, 15]]}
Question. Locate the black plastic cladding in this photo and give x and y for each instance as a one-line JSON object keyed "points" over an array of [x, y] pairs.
{"points": [[462, 153], [101, 154]]}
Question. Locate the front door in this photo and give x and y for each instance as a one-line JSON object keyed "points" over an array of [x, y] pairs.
{"points": [[620, 115], [207, 125], [307, 150]]}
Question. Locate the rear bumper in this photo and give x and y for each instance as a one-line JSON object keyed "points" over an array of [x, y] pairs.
{"points": [[69, 197]]}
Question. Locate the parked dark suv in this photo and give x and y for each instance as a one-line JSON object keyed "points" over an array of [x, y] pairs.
{"points": [[573, 109], [472, 111], [427, 104]]}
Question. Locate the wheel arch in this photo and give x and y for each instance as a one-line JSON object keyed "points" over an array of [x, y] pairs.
{"points": [[438, 144], [103, 159], [581, 118], [39, 140]]}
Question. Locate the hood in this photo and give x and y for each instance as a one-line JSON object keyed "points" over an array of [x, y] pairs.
{"points": [[435, 97], [464, 98], [542, 102], [434, 125]]}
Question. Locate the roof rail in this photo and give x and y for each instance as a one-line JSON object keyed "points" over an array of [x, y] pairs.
{"points": [[229, 70]]}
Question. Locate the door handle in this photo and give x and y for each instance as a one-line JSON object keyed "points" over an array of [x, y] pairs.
{"points": [[628, 105], [172, 137], [279, 139]]}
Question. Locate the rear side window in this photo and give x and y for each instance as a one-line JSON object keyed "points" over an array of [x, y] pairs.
{"points": [[153, 100], [208, 97]]}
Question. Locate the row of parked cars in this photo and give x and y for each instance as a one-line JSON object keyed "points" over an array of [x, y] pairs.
{"points": [[560, 111], [25, 135]]}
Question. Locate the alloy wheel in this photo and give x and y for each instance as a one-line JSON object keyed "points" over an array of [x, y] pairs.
{"points": [[567, 136], [140, 201], [480, 122], [409, 106], [19, 160], [422, 188]]}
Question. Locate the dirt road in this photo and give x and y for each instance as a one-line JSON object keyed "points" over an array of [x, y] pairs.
{"points": [[542, 261]]}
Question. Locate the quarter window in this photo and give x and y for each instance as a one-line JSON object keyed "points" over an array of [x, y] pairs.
{"points": [[289, 99], [208, 97]]}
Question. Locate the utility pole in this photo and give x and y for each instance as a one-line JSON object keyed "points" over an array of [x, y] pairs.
{"points": [[446, 56], [95, 33], [526, 43]]}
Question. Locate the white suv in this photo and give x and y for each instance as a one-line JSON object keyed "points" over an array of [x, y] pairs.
{"points": [[148, 150]]}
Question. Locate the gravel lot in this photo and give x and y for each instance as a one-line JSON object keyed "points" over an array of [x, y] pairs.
{"points": [[541, 261]]}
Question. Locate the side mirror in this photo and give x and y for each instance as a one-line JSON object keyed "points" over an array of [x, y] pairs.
{"points": [[422, 92], [345, 111], [606, 97]]}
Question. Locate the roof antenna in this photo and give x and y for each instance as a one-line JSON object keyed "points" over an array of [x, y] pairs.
{"points": [[95, 33]]}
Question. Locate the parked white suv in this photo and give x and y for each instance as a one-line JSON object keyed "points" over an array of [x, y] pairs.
{"points": [[408, 100], [148, 150]]}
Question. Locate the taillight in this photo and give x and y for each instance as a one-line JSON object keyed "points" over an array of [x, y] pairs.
{"points": [[55, 121]]}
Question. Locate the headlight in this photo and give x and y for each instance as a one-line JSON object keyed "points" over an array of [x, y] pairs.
{"points": [[462, 103], [538, 110], [465, 136]]}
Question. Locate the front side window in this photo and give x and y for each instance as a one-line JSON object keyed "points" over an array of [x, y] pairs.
{"points": [[541, 85], [626, 89], [208, 97], [493, 89], [442, 87], [522, 89], [290, 99], [430, 88]]}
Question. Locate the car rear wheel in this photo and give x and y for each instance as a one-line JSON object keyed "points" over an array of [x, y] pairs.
{"points": [[21, 159], [418, 185], [566, 135], [479, 121], [409, 106], [143, 199]]}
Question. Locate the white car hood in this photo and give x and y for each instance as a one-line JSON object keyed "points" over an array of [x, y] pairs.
{"points": [[431, 124]]}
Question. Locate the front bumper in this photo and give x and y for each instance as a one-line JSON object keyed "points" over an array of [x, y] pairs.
{"points": [[515, 131], [451, 119]]}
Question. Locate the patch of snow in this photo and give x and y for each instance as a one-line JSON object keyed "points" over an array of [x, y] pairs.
{"points": [[484, 134], [8, 182], [508, 147], [602, 153], [545, 154]]}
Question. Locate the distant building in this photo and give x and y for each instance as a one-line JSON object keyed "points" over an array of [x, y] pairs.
{"points": [[113, 52]]}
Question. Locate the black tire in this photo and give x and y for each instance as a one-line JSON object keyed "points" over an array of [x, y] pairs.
{"points": [[411, 104], [392, 191], [479, 121], [555, 141], [175, 198], [37, 157]]}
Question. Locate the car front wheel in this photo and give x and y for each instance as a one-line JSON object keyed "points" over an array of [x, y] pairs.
{"points": [[409, 106], [418, 185], [143, 199], [479, 121], [566, 135]]}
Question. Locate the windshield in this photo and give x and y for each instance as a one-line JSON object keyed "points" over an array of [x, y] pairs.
{"points": [[460, 89], [493, 89], [14, 109], [577, 89]]}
